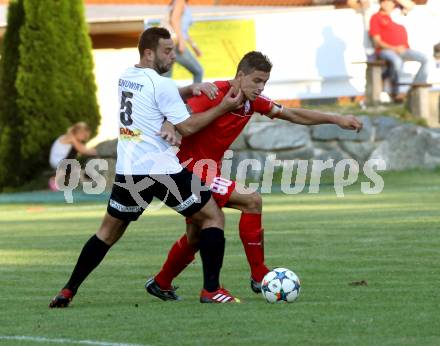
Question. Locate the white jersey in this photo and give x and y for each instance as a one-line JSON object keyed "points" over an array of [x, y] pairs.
{"points": [[58, 152], [146, 99]]}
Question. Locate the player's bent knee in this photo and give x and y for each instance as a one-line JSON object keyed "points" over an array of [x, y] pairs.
{"points": [[111, 229], [254, 203], [107, 236]]}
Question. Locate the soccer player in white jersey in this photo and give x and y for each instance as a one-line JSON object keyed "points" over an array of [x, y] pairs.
{"points": [[147, 166]]}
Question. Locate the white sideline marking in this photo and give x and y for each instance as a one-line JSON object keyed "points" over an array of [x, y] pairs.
{"points": [[64, 341]]}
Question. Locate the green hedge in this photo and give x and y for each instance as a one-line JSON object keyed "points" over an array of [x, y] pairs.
{"points": [[54, 81], [10, 122]]}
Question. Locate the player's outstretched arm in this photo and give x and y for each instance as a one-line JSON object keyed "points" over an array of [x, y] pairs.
{"points": [[309, 117], [232, 100]]}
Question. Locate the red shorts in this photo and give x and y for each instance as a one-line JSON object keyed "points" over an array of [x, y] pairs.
{"points": [[221, 190]]}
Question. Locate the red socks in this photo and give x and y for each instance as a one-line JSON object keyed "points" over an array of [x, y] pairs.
{"points": [[182, 254], [179, 257], [251, 235]]}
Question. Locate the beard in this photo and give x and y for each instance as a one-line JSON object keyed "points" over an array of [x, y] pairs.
{"points": [[162, 68]]}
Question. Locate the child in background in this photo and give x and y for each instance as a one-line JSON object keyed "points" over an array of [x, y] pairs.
{"points": [[68, 146]]}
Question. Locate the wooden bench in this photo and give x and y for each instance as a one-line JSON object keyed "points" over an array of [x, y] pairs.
{"points": [[424, 103], [373, 76], [374, 82], [434, 106]]}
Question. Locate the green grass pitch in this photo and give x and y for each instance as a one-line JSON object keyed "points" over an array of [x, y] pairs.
{"points": [[391, 240]]}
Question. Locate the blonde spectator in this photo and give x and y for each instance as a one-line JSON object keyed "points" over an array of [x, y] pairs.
{"points": [[68, 146]]}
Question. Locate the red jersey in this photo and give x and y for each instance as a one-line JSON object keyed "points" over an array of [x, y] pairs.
{"points": [[212, 141], [390, 32]]}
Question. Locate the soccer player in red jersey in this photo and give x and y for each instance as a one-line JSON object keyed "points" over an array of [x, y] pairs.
{"points": [[202, 153]]}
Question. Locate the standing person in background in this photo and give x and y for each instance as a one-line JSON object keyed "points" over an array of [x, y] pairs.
{"points": [[180, 21], [391, 42], [68, 146]]}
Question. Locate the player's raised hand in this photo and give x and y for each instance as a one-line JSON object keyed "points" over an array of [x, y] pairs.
{"points": [[168, 133], [233, 99], [209, 89], [350, 122]]}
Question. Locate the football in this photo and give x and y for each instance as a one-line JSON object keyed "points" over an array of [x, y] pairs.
{"points": [[280, 285]]}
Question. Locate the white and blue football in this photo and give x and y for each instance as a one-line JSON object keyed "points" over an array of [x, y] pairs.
{"points": [[280, 285]]}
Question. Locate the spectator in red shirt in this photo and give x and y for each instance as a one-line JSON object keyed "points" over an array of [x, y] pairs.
{"points": [[391, 42], [367, 8]]}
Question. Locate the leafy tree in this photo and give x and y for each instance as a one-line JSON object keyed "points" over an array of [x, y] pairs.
{"points": [[10, 122], [54, 83]]}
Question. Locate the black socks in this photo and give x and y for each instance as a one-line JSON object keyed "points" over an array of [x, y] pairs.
{"points": [[212, 249], [91, 255]]}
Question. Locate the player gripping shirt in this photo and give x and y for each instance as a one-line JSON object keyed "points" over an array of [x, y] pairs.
{"points": [[147, 167], [212, 142], [202, 153]]}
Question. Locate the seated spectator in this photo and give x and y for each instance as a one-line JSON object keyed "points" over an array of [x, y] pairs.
{"points": [[391, 42], [366, 8], [68, 146]]}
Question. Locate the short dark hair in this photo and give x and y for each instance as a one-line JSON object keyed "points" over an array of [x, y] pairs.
{"points": [[150, 38], [254, 61]]}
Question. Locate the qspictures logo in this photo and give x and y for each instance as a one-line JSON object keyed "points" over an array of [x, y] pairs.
{"points": [[297, 176]]}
